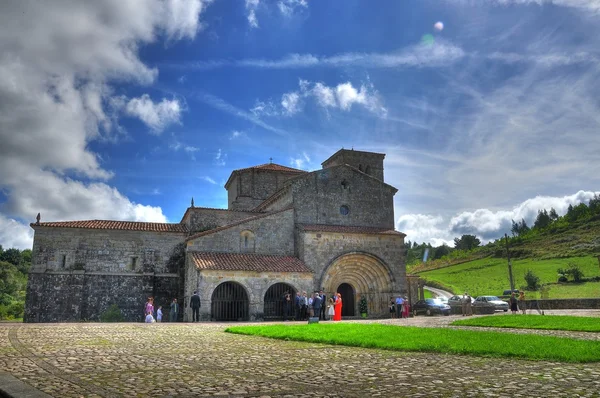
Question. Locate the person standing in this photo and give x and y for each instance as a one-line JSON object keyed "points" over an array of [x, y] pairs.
{"points": [[303, 306], [287, 306], [522, 303], [174, 310], [323, 313], [392, 308], [512, 302], [159, 314], [195, 304], [465, 301], [331, 308], [317, 304], [399, 306], [149, 307], [338, 308], [297, 305]]}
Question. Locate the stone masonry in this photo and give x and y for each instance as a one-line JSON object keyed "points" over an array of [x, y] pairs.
{"points": [[284, 229]]}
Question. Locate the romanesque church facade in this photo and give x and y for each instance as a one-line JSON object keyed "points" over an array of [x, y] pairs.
{"points": [[284, 230]]}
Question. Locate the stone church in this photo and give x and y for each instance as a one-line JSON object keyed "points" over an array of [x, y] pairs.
{"points": [[284, 230]]}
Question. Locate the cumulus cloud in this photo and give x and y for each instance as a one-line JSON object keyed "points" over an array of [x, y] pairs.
{"points": [[157, 116], [484, 223], [13, 234], [343, 97], [56, 97]]}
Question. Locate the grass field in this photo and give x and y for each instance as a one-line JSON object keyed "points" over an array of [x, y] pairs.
{"points": [[442, 340], [490, 276], [548, 322]]}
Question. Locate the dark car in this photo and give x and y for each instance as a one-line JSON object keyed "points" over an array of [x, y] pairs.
{"points": [[430, 306]]}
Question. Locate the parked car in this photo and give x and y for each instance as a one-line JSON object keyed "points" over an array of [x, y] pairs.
{"points": [[442, 299], [456, 301], [483, 302], [430, 306], [507, 292]]}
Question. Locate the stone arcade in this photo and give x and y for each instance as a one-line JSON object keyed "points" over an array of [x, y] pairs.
{"points": [[284, 230]]}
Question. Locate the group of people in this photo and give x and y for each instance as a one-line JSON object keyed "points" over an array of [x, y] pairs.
{"points": [[151, 316], [516, 304], [466, 301], [301, 307], [399, 307]]}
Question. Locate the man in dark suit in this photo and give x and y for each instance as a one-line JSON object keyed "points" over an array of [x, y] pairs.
{"points": [[317, 304], [323, 312], [195, 304], [297, 305]]}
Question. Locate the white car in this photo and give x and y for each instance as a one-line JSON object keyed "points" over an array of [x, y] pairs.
{"points": [[490, 301]]}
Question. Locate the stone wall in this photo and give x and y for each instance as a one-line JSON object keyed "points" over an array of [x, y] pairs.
{"points": [[318, 199], [251, 187], [77, 273], [255, 284], [101, 250], [273, 234], [369, 162], [73, 296], [202, 219], [319, 250]]}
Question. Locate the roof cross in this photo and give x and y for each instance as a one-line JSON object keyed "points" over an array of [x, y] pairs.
{"points": [[270, 160]]}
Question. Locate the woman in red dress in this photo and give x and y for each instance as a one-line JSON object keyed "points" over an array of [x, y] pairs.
{"points": [[338, 308]]}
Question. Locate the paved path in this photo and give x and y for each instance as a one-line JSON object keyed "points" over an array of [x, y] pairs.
{"points": [[111, 360], [438, 292]]}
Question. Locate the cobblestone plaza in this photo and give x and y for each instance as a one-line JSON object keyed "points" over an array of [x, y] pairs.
{"points": [[129, 359]]}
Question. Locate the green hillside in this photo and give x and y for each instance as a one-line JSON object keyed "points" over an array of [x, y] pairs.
{"points": [[484, 270]]}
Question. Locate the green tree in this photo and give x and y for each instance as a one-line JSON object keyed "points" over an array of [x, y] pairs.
{"points": [[533, 281], [553, 214], [466, 242], [12, 256], [441, 251], [542, 220], [594, 204]]}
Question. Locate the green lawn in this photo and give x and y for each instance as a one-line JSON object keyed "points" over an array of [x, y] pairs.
{"points": [[490, 276], [550, 322], [442, 340]]}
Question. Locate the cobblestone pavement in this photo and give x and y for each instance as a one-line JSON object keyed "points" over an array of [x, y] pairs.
{"points": [[107, 360]]}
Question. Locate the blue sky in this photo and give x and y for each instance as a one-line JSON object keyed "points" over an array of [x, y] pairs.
{"points": [[487, 110]]}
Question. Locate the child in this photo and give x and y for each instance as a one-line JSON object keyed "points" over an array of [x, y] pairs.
{"points": [[149, 318], [159, 314], [330, 309]]}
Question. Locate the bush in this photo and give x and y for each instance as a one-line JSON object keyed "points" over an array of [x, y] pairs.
{"points": [[112, 314], [533, 281], [574, 271], [362, 305]]}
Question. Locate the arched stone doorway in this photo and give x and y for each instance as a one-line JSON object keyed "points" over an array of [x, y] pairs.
{"points": [[229, 302], [367, 275], [274, 303], [348, 301]]}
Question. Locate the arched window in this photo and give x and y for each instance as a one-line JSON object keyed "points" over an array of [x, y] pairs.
{"points": [[247, 241]]}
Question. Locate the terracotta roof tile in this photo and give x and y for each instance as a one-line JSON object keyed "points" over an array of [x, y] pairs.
{"points": [[116, 225], [245, 220], [349, 229], [247, 262]]}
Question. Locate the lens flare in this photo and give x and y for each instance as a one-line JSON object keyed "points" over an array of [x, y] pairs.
{"points": [[439, 26]]}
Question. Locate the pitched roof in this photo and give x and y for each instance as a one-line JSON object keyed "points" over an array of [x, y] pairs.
{"points": [[349, 229], [115, 225], [247, 262], [266, 167], [245, 220]]}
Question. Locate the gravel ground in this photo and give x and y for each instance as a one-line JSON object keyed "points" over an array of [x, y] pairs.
{"points": [[106, 360]]}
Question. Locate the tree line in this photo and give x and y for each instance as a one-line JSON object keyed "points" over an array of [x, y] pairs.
{"points": [[14, 267]]}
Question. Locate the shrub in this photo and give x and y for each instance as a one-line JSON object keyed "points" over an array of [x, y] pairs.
{"points": [[533, 281], [112, 314], [362, 305], [574, 271]]}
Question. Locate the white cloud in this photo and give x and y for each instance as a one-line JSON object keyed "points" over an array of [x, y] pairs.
{"points": [[237, 135], [291, 103], [262, 108], [486, 224], [208, 179], [440, 54], [343, 97], [588, 5], [251, 6], [13, 234], [302, 162], [289, 7], [156, 116], [56, 97], [220, 158]]}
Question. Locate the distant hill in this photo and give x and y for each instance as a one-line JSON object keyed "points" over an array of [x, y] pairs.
{"points": [[543, 251]]}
